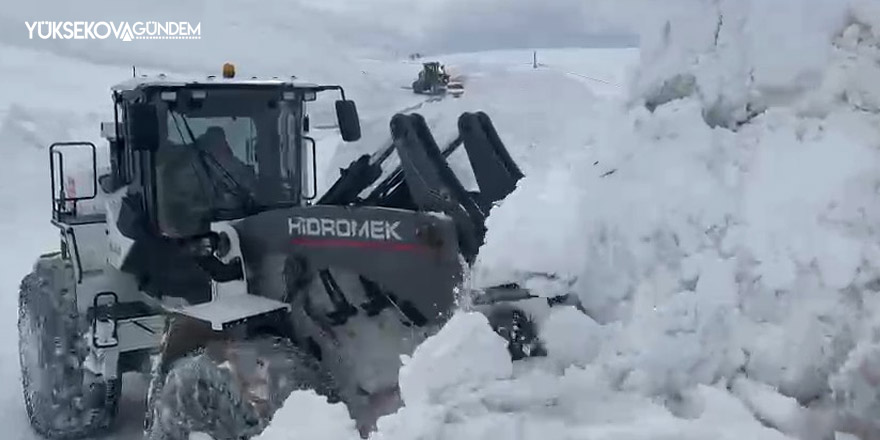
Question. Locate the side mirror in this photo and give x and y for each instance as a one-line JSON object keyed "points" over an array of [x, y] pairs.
{"points": [[143, 127], [306, 123], [348, 120]]}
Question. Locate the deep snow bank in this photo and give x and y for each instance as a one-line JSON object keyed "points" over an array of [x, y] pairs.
{"points": [[738, 229], [460, 384]]}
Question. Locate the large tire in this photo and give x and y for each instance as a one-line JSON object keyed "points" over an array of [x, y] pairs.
{"points": [[63, 400], [202, 394], [518, 329]]}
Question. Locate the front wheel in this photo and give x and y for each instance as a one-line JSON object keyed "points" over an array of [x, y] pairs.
{"points": [[63, 400], [231, 389]]}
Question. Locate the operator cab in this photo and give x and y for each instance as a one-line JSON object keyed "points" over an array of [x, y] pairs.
{"points": [[196, 152]]}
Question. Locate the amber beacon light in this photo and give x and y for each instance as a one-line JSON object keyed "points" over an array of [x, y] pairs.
{"points": [[229, 70]]}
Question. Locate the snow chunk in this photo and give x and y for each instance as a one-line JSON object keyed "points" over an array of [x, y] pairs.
{"points": [[856, 387], [698, 326], [307, 415], [721, 411], [571, 337], [802, 175], [776, 410], [465, 352], [543, 251]]}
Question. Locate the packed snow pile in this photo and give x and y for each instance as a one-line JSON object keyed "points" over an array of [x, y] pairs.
{"points": [[307, 416], [461, 385], [723, 228]]}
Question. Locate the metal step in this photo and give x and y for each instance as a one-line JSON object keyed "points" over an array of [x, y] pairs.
{"points": [[232, 309], [127, 310]]}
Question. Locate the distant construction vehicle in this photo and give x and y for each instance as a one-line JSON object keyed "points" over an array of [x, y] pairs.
{"points": [[435, 80]]}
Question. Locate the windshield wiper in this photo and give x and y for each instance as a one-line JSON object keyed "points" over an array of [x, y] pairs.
{"points": [[245, 195]]}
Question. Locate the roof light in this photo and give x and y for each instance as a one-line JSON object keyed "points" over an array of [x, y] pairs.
{"points": [[229, 70]]}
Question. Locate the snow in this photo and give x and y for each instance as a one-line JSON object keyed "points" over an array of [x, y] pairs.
{"points": [[306, 416], [466, 354], [715, 212], [579, 403], [572, 337], [780, 411]]}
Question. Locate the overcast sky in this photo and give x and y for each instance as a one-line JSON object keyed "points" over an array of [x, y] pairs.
{"points": [[397, 25]]}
